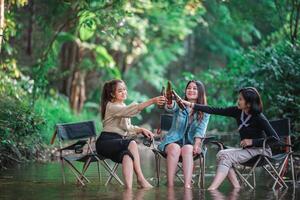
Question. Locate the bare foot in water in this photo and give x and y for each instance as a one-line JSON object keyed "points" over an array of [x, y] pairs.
{"points": [[212, 188], [188, 186], [144, 184]]}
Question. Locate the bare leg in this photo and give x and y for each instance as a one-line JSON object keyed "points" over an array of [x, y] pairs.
{"points": [[173, 153], [127, 169], [187, 162], [233, 179], [219, 178], [133, 148]]}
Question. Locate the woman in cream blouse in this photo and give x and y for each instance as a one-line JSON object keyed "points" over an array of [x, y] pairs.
{"points": [[113, 143]]}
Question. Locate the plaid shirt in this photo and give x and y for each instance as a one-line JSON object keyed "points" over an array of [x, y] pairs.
{"points": [[180, 126]]}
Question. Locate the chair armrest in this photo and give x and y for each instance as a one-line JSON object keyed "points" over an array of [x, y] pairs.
{"points": [[76, 146], [272, 141], [207, 139], [219, 144]]}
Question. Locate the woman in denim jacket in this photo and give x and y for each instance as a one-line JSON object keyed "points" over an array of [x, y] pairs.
{"points": [[184, 136]]}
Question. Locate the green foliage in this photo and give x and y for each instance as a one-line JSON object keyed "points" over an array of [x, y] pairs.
{"points": [[56, 110], [225, 44], [275, 71], [87, 24], [19, 130]]}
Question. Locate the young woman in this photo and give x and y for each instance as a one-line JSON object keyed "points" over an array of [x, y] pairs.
{"points": [[251, 125], [113, 142], [184, 136]]}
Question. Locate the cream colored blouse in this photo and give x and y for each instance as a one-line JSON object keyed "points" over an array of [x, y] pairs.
{"points": [[117, 118]]}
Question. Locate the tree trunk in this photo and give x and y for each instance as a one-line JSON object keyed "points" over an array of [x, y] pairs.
{"points": [[69, 59], [30, 28], [73, 84], [1, 22], [77, 96]]}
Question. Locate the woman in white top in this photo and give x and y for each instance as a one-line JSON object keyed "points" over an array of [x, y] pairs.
{"points": [[113, 143]]}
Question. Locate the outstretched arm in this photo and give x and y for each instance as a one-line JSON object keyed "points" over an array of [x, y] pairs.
{"points": [[160, 100], [229, 111], [119, 110]]}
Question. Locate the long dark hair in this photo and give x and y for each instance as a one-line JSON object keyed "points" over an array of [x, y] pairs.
{"points": [[108, 92], [252, 97], [201, 95]]}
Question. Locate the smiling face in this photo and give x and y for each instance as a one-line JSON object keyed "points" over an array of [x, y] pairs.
{"points": [[191, 92], [120, 93]]}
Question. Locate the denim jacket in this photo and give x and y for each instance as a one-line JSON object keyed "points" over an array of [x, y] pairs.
{"points": [[180, 125]]}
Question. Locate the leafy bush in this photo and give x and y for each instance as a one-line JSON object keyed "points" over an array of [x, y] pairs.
{"points": [[56, 110], [275, 71], [19, 130]]}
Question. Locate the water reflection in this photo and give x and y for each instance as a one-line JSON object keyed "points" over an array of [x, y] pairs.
{"points": [[217, 195], [43, 181], [187, 194], [138, 195]]}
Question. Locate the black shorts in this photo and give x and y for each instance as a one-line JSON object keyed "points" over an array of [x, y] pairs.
{"points": [[113, 146]]}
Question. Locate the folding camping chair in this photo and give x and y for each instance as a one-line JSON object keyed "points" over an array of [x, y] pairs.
{"points": [[282, 157], [81, 135], [165, 125]]}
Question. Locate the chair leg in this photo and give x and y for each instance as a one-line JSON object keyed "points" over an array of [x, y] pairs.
{"points": [[278, 175], [85, 167], [280, 171], [254, 178], [245, 181], [180, 169], [63, 170], [251, 172], [109, 169], [201, 172], [272, 177], [114, 169], [78, 178], [99, 175], [253, 168], [293, 170], [157, 166], [77, 173]]}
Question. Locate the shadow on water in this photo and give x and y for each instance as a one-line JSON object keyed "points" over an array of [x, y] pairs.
{"points": [[44, 181]]}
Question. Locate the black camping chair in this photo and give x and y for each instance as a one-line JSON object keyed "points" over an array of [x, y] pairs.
{"points": [[81, 135], [282, 156], [165, 125]]}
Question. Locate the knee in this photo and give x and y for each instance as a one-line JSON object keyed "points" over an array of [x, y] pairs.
{"points": [[126, 158], [132, 145], [187, 150], [224, 158], [222, 155], [173, 150]]}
